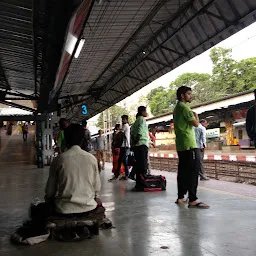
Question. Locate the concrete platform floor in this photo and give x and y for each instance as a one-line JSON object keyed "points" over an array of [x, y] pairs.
{"points": [[144, 222]]}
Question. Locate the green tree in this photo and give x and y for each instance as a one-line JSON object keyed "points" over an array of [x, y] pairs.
{"points": [[190, 80], [223, 75], [245, 71], [204, 92], [230, 76], [153, 92], [116, 112], [201, 84], [162, 102]]}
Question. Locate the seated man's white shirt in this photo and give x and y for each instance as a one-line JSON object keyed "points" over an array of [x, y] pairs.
{"points": [[74, 181]]}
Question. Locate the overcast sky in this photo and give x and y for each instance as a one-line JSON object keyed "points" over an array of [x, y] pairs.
{"points": [[243, 46]]}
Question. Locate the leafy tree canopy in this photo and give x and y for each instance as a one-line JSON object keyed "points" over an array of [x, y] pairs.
{"points": [[228, 77]]}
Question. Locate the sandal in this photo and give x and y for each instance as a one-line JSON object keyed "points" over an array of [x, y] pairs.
{"points": [[178, 201], [199, 205]]}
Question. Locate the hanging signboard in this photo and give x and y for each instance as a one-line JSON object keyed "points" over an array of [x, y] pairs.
{"points": [[213, 133]]}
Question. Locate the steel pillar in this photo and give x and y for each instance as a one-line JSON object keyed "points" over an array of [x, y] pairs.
{"points": [[39, 144], [48, 152]]}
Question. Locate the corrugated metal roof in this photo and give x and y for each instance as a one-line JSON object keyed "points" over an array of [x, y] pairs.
{"points": [[16, 45], [128, 44], [31, 40]]}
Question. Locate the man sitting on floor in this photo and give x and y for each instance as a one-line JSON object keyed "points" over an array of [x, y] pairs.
{"points": [[74, 182], [71, 196]]}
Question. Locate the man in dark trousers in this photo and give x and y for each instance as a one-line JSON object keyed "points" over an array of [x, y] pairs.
{"points": [[125, 147], [140, 140], [87, 137], [184, 121], [251, 122], [200, 132]]}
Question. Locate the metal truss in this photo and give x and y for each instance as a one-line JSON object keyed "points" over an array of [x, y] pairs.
{"points": [[144, 52], [3, 80], [159, 45], [12, 104]]}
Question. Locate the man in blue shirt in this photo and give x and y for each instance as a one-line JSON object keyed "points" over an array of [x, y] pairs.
{"points": [[200, 132]]}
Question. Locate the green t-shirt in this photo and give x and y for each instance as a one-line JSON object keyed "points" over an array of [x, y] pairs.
{"points": [[61, 141], [185, 134], [140, 127]]}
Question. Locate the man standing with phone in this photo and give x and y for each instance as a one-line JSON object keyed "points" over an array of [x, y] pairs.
{"points": [[184, 121]]}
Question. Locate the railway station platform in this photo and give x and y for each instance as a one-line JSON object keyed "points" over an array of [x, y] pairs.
{"points": [[145, 223]]}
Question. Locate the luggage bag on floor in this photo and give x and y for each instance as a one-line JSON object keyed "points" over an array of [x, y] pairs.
{"points": [[152, 183]]}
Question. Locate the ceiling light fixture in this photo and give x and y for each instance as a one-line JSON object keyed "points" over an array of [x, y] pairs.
{"points": [[79, 48], [70, 43]]}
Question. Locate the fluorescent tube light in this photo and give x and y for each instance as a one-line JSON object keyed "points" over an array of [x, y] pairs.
{"points": [[79, 48]]}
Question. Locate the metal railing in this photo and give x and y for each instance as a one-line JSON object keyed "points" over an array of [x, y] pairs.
{"points": [[219, 170], [215, 169]]}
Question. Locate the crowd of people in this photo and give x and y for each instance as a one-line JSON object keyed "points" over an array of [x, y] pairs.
{"points": [[124, 140], [134, 142], [74, 179], [73, 185]]}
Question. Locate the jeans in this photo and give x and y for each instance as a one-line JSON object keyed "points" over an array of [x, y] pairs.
{"points": [[123, 159], [188, 174], [141, 158]]}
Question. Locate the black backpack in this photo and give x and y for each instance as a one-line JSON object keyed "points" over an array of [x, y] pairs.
{"points": [[118, 140]]}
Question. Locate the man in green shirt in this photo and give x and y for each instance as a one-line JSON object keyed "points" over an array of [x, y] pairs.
{"points": [[184, 120], [61, 144], [140, 142]]}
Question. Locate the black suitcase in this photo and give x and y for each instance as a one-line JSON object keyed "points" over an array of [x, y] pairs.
{"points": [[151, 183]]}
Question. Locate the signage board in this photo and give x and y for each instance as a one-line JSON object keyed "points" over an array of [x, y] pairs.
{"points": [[213, 133]]}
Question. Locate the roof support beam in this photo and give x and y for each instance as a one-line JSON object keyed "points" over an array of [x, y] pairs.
{"points": [[24, 118], [13, 98], [3, 76], [136, 78], [19, 94], [158, 62], [227, 22], [114, 90], [102, 102], [18, 71], [15, 105]]}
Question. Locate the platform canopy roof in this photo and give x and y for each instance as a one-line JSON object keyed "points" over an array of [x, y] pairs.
{"points": [[127, 44]]}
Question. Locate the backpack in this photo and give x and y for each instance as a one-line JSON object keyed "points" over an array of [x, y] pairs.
{"points": [[118, 140]]}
